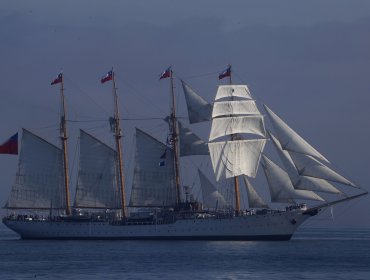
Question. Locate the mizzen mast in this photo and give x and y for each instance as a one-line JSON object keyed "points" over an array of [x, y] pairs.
{"points": [[64, 137], [115, 123], [118, 136]]}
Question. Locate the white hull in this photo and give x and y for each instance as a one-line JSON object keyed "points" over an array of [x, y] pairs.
{"points": [[272, 226]]}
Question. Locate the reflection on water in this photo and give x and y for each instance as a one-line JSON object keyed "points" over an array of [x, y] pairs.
{"points": [[311, 254]]}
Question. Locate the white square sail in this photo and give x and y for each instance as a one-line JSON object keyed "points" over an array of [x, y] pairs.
{"points": [[234, 158], [241, 91]]}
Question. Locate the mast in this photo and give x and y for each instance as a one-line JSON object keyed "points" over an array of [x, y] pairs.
{"points": [[64, 137], [236, 182], [235, 112], [174, 138], [118, 136]]}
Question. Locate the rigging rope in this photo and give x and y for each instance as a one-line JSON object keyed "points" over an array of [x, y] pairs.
{"points": [[122, 119], [86, 94], [199, 75]]}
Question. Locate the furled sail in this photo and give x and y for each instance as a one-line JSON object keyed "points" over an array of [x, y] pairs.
{"points": [[39, 181], [190, 143], [234, 158], [97, 183], [199, 110], [232, 125], [243, 107], [281, 188], [309, 166], [153, 181], [241, 91], [289, 139], [301, 182], [212, 198], [254, 200]]}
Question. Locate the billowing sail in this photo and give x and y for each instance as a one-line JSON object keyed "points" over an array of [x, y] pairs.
{"points": [[254, 200], [39, 181], [212, 198], [199, 110], [242, 107], [190, 143], [289, 139], [281, 188], [97, 183], [232, 125], [241, 91], [309, 166], [153, 181], [234, 158], [301, 182], [236, 114]]}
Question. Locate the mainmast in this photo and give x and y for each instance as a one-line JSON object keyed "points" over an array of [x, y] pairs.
{"points": [[64, 137], [117, 135], [174, 132], [175, 140]]}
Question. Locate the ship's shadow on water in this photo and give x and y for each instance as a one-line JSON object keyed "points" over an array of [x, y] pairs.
{"points": [[311, 254]]}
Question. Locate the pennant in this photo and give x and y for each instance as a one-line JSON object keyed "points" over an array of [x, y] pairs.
{"points": [[225, 73], [10, 146], [166, 73], [107, 77], [169, 140], [163, 159], [58, 79]]}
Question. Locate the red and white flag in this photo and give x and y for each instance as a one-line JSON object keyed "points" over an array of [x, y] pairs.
{"points": [[225, 73], [58, 79], [10, 146], [107, 77], [166, 74]]}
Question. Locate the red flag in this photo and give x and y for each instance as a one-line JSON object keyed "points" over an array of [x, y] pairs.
{"points": [[166, 73], [107, 77], [225, 73], [58, 79], [10, 146]]}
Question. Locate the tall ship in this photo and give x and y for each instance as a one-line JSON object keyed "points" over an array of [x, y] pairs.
{"points": [[159, 206]]}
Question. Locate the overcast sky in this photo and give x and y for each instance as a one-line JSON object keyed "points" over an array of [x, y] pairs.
{"points": [[307, 60]]}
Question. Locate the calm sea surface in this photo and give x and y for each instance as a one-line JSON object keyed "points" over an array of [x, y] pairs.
{"points": [[312, 254]]}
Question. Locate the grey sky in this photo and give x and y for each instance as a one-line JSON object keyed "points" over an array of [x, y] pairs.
{"points": [[308, 60]]}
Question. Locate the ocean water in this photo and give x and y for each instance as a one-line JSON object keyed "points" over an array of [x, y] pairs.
{"points": [[311, 254]]}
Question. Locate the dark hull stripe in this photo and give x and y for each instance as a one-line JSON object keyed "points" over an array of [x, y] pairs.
{"points": [[209, 238]]}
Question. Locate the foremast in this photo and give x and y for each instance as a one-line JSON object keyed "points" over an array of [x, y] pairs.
{"points": [[234, 137], [234, 114], [64, 137]]}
